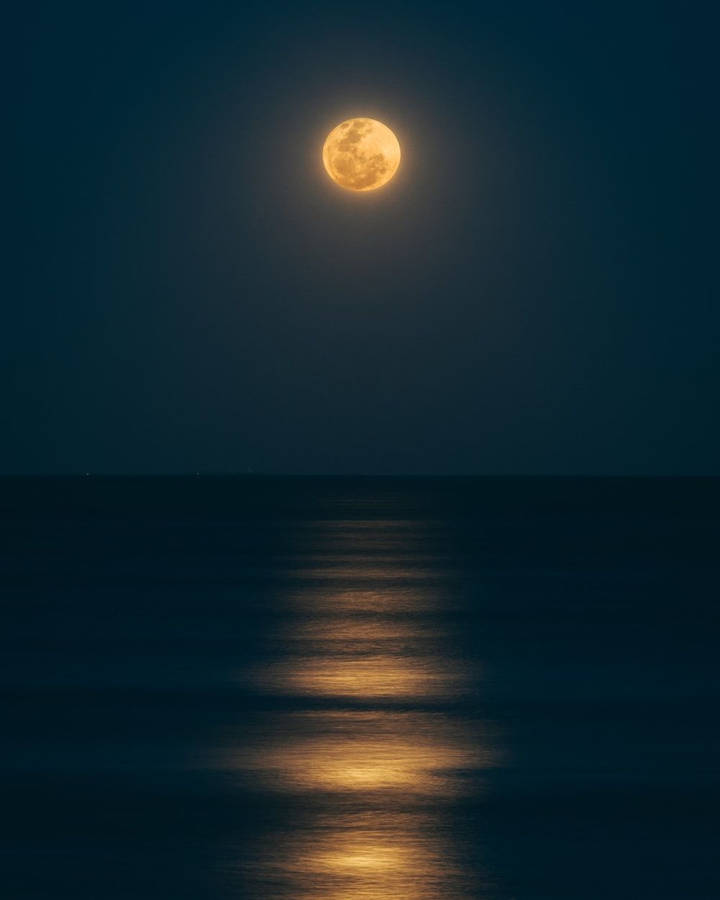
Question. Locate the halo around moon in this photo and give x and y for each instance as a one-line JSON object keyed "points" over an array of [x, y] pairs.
{"points": [[361, 154]]}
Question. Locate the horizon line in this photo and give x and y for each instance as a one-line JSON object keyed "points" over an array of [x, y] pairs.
{"points": [[338, 475]]}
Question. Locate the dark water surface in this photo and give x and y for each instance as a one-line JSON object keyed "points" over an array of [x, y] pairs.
{"points": [[360, 689]]}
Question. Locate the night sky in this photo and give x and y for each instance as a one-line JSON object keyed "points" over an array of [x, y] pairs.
{"points": [[534, 293]]}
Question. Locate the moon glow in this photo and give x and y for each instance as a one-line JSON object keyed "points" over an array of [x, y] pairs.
{"points": [[361, 154]]}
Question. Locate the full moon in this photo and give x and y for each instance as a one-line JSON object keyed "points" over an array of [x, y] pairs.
{"points": [[361, 154]]}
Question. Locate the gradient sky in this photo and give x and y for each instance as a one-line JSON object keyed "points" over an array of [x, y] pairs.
{"points": [[533, 293]]}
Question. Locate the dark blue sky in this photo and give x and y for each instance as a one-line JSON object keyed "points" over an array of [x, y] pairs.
{"points": [[534, 292]]}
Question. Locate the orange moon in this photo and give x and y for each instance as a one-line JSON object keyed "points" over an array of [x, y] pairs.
{"points": [[361, 154]]}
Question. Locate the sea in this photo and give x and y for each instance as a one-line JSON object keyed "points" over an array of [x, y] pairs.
{"points": [[359, 688]]}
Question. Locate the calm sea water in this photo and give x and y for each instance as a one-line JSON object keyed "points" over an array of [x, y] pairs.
{"points": [[359, 689]]}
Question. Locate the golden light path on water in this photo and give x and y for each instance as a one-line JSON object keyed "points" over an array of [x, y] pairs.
{"points": [[358, 750], [374, 768], [374, 676], [366, 856]]}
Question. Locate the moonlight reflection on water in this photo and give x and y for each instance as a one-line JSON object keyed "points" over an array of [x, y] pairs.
{"points": [[372, 773]]}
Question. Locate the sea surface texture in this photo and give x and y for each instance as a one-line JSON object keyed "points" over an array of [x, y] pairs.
{"points": [[359, 689]]}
